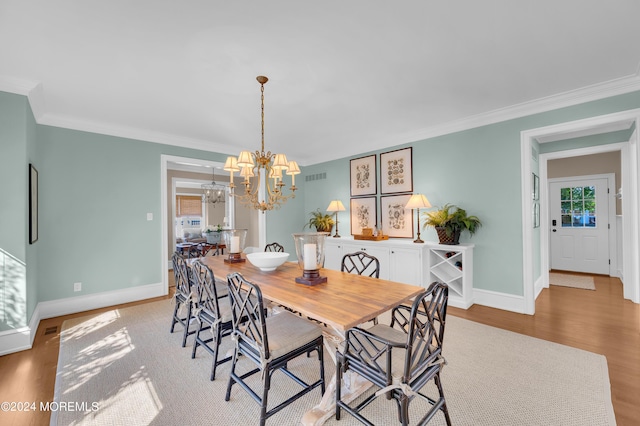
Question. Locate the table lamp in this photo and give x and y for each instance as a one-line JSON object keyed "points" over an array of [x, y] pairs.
{"points": [[417, 202], [336, 206]]}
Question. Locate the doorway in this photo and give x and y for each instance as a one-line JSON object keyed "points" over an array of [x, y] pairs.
{"points": [[536, 242]]}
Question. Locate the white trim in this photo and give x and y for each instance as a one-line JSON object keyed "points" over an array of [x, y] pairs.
{"points": [[494, 299], [18, 340], [611, 204], [573, 97], [630, 203]]}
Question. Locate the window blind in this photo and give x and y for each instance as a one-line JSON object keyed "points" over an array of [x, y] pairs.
{"points": [[188, 205]]}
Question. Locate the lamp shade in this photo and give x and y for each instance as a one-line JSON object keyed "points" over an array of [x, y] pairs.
{"points": [[335, 206], [418, 201], [231, 165], [293, 168], [280, 162], [245, 159]]}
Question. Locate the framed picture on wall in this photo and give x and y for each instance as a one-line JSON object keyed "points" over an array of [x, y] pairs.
{"points": [[535, 189], [397, 222], [363, 214], [396, 171], [33, 204], [363, 176]]}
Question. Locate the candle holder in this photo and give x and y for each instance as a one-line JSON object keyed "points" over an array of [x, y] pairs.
{"points": [[310, 252], [234, 240]]}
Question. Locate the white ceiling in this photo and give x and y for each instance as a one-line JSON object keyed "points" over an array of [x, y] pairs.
{"points": [[346, 76]]}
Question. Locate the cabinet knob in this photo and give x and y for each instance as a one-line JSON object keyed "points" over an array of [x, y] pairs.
{"points": [[392, 252]]}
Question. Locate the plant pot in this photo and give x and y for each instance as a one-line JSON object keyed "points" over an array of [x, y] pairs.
{"points": [[452, 239], [325, 229]]}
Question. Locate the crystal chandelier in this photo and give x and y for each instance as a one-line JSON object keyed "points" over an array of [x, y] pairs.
{"points": [[212, 193], [266, 169]]}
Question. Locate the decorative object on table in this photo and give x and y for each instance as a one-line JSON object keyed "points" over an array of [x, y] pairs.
{"points": [[260, 165], [363, 176], [336, 206], [212, 234], [396, 171], [363, 214], [310, 252], [449, 221], [397, 221], [417, 202], [234, 240], [321, 221], [213, 193], [33, 204], [267, 260]]}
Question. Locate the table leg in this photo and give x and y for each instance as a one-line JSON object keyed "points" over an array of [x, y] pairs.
{"points": [[353, 385]]}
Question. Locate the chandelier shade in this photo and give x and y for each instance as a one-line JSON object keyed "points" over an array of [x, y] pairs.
{"points": [[262, 172]]}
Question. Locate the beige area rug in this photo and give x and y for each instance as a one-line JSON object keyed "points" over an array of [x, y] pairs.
{"points": [[127, 369], [569, 280]]}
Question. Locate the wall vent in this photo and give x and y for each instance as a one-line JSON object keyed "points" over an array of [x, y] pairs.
{"points": [[317, 176]]}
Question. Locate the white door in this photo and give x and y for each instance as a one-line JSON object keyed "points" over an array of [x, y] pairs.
{"points": [[579, 215]]}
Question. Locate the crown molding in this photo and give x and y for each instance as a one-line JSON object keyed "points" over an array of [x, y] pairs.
{"points": [[35, 93]]}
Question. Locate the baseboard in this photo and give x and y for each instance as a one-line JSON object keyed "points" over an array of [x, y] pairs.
{"points": [[504, 301], [22, 339]]}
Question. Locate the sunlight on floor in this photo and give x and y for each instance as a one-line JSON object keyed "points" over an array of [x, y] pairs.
{"points": [[90, 325]]}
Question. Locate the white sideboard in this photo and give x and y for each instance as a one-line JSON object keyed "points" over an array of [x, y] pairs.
{"points": [[411, 263]]}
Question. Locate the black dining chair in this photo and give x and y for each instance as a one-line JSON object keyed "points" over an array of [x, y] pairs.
{"points": [[270, 343], [361, 263], [401, 358], [274, 247], [182, 297], [213, 314]]}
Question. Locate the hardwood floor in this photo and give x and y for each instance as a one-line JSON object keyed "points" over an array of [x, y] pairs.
{"points": [[597, 321]]}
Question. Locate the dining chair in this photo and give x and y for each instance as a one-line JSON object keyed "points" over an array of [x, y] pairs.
{"points": [[212, 312], [182, 297], [399, 358], [274, 247], [361, 263], [268, 342]]}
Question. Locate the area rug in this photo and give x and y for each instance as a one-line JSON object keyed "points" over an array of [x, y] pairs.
{"points": [[123, 367], [569, 280]]}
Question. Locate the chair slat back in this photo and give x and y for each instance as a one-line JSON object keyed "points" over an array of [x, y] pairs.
{"points": [[274, 247], [426, 332], [181, 274], [361, 263], [248, 314], [206, 292]]}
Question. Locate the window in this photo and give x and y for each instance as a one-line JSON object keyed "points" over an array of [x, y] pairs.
{"points": [[578, 206], [188, 205]]}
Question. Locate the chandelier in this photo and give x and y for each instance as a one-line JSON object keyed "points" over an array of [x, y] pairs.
{"points": [[212, 193], [266, 169]]}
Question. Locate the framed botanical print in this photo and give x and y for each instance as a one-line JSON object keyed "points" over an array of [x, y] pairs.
{"points": [[396, 171], [363, 214], [397, 222], [33, 204], [363, 176]]}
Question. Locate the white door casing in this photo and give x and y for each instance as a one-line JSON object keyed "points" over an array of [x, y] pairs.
{"points": [[579, 239]]}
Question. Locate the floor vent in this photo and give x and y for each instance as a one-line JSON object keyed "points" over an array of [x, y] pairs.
{"points": [[317, 176], [50, 330]]}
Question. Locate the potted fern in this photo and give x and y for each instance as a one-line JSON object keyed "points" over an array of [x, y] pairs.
{"points": [[321, 221], [449, 221]]}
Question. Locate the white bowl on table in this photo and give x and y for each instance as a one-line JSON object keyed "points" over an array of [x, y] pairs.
{"points": [[267, 260]]}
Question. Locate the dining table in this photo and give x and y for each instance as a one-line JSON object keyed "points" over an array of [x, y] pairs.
{"points": [[344, 301]]}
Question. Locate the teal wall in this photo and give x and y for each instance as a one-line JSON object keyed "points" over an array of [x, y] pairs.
{"points": [[95, 192], [13, 210], [479, 170]]}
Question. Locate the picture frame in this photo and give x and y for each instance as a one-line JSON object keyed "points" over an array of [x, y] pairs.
{"points": [[364, 214], [33, 204], [363, 176], [396, 171], [536, 214], [397, 222], [535, 190]]}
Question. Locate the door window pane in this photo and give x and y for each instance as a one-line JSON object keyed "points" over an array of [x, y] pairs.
{"points": [[578, 206]]}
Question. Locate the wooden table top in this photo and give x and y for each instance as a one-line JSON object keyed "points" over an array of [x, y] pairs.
{"points": [[344, 301]]}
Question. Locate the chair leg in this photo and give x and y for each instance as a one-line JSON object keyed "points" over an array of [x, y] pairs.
{"points": [[187, 323], [444, 408], [265, 393], [338, 384], [231, 375], [195, 340], [175, 316], [216, 346]]}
